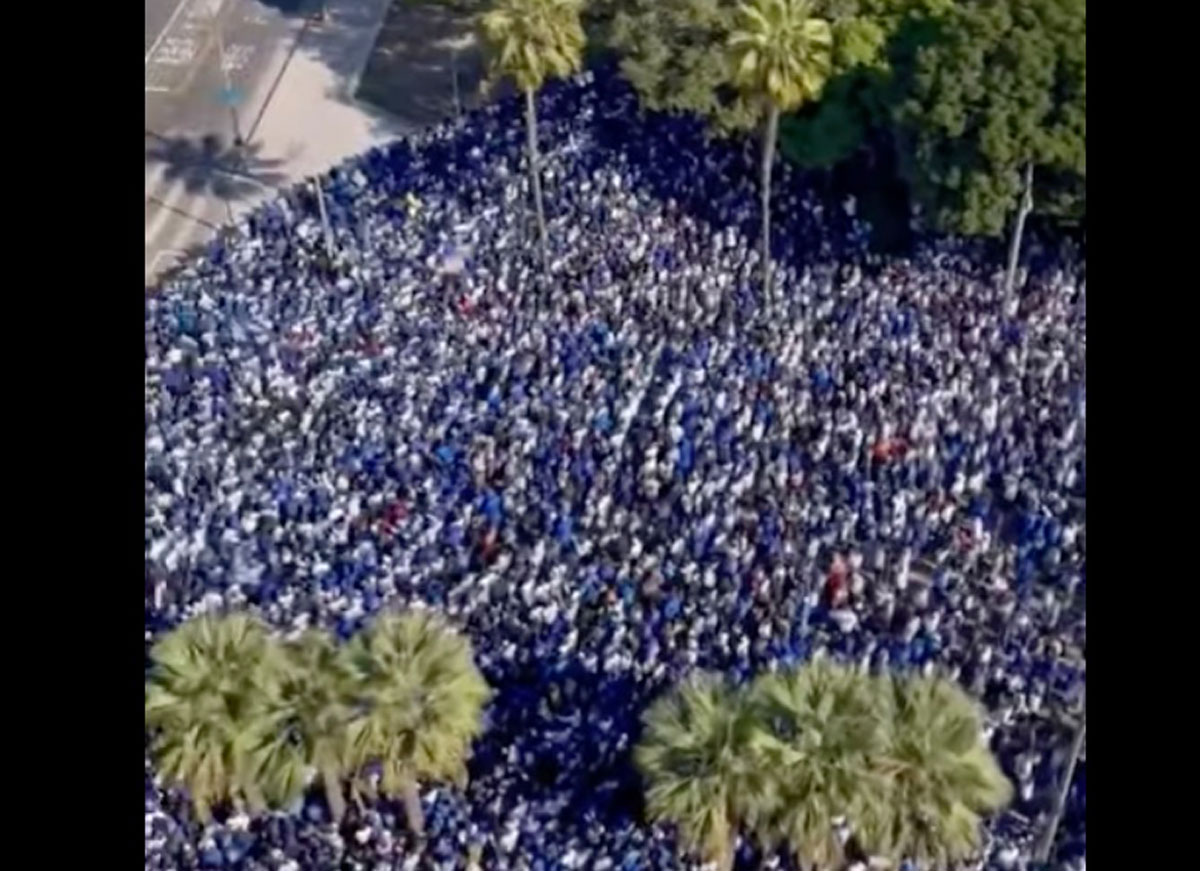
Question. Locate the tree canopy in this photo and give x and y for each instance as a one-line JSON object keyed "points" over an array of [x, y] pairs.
{"points": [[970, 93], [780, 52], [309, 710], [900, 759], [421, 699], [940, 776], [533, 40], [1003, 84], [236, 713], [855, 99], [820, 738], [207, 706], [674, 53]]}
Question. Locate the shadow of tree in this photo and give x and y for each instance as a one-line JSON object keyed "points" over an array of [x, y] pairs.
{"points": [[293, 7], [425, 52], [208, 167]]}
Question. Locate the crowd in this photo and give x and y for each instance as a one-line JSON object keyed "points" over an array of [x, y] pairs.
{"points": [[617, 472]]}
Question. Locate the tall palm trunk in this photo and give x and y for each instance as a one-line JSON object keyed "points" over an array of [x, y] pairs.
{"points": [[202, 808], [1014, 244], [256, 803], [535, 174], [1064, 789], [332, 784], [768, 157], [412, 806], [725, 860]]}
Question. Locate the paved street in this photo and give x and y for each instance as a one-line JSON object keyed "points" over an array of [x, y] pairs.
{"points": [[189, 133], [299, 115]]}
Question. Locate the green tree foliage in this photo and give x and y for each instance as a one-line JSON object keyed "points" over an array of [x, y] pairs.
{"points": [[701, 771], [309, 713], [1001, 86], [530, 41], [533, 40], [208, 707], [901, 758], [236, 714], [780, 53], [941, 776], [781, 57], [674, 53], [857, 96], [829, 131], [822, 737], [420, 698]]}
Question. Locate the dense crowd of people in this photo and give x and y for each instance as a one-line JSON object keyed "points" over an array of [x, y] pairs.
{"points": [[610, 474]]}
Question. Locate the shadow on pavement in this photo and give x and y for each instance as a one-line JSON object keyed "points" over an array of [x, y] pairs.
{"points": [[293, 7], [425, 50], [208, 167]]}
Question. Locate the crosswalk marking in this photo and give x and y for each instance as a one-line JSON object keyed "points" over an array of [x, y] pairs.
{"points": [[154, 45], [176, 51], [237, 57]]}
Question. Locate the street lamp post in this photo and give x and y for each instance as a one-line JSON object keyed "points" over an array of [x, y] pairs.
{"points": [[457, 46], [1045, 844], [229, 89], [328, 232]]}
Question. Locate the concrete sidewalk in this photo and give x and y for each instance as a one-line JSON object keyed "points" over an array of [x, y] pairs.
{"points": [[300, 119], [310, 120]]}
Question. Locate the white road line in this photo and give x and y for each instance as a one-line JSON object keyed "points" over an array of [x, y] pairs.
{"points": [[153, 268], [189, 230], [163, 32], [157, 89]]}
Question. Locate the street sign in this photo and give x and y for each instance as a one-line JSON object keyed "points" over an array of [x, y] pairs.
{"points": [[230, 96]]}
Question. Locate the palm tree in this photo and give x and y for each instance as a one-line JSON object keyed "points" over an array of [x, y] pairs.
{"points": [[530, 41], [207, 707], [309, 717], [419, 699], [821, 738], [696, 755], [780, 56], [942, 776]]}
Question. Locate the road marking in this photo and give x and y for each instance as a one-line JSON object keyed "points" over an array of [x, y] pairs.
{"points": [[237, 57], [163, 32], [207, 8], [157, 89], [152, 269], [176, 51]]}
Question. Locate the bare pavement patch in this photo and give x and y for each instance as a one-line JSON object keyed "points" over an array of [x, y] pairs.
{"points": [[426, 63]]}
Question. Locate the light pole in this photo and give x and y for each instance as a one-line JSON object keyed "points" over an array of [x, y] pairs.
{"points": [[1014, 243], [324, 218], [1046, 844], [229, 92], [457, 45]]}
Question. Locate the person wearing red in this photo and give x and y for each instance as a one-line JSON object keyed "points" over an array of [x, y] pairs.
{"points": [[835, 583], [393, 516], [489, 546], [887, 449]]}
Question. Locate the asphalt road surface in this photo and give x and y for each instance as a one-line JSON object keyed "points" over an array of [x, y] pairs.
{"points": [[195, 177]]}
